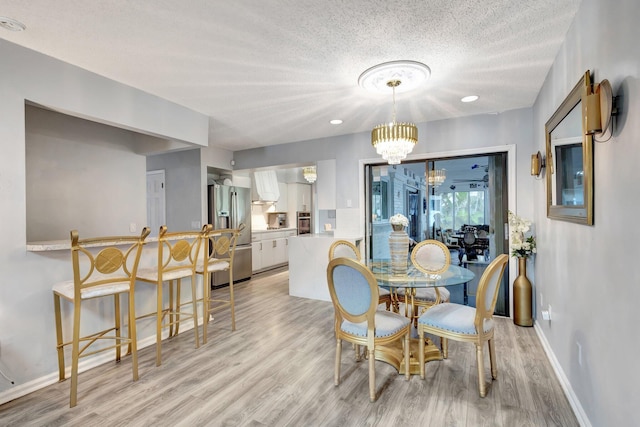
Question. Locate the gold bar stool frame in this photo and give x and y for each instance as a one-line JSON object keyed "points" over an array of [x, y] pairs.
{"points": [[109, 273], [178, 253], [219, 249]]}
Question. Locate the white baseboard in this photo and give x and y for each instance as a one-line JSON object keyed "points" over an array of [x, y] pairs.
{"points": [[564, 381], [84, 365]]}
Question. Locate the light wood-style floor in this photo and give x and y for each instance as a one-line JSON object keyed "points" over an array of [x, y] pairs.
{"points": [[276, 369]]}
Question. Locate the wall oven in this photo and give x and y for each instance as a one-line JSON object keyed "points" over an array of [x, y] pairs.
{"points": [[304, 222]]}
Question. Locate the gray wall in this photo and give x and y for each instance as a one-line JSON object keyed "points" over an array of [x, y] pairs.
{"points": [[588, 274], [435, 138], [81, 175], [182, 187], [27, 334]]}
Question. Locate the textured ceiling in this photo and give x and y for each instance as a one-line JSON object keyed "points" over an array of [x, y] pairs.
{"points": [[271, 72]]}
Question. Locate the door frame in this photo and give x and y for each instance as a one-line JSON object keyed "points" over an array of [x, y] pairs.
{"points": [[510, 149]]}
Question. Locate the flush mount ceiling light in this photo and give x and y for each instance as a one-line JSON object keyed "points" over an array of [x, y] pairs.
{"points": [[470, 98], [436, 177], [11, 24], [336, 122], [393, 141], [310, 174]]}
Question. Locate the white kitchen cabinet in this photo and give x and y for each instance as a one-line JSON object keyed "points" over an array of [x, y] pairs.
{"points": [[256, 256], [271, 248], [299, 197]]}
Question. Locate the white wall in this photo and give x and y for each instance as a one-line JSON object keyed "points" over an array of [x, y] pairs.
{"points": [[27, 333], [588, 273]]}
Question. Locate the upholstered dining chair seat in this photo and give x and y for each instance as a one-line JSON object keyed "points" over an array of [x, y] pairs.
{"points": [[387, 323], [454, 318], [66, 289]]}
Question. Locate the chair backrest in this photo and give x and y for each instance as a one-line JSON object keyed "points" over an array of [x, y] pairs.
{"points": [[431, 257], [353, 290], [116, 260], [178, 251], [488, 286], [220, 245], [344, 249], [469, 237]]}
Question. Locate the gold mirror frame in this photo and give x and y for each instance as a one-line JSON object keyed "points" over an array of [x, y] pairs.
{"points": [[580, 208]]}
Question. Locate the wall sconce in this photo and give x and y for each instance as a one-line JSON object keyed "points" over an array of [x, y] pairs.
{"points": [[598, 111], [537, 164]]}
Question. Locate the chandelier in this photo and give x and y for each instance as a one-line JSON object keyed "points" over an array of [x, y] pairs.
{"points": [[310, 174], [437, 177], [393, 141]]}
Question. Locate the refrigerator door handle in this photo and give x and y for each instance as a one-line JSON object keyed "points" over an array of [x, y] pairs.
{"points": [[234, 210]]}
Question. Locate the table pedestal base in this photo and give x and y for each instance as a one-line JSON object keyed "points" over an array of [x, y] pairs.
{"points": [[392, 354]]}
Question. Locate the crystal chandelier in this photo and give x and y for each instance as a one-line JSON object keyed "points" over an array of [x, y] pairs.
{"points": [[437, 177], [393, 141], [310, 174]]}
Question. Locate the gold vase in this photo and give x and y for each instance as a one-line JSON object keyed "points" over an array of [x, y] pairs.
{"points": [[522, 296]]}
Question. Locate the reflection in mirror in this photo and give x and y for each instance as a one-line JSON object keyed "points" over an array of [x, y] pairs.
{"points": [[570, 159]]}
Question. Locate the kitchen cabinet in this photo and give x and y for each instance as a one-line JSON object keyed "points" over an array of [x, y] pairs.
{"points": [[270, 249], [299, 198], [256, 256]]}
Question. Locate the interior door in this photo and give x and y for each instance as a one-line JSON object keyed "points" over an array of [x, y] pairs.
{"points": [[156, 213]]}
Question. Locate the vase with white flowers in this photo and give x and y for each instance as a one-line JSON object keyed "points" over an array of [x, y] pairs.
{"points": [[522, 246], [399, 244]]}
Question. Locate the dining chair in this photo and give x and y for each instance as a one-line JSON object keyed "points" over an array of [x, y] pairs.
{"points": [[431, 257], [463, 323], [219, 248], [354, 294], [344, 248], [108, 273], [178, 253]]}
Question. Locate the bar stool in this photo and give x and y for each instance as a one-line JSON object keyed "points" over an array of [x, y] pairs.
{"points": [[220, 245], [108, 273], [178, 253]]}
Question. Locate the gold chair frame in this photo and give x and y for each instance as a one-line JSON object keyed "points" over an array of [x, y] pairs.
{"points": [[495, 270], [219, 249], [414, 303], [335, 247], [178, 253], [102, 275], [370, 341]]}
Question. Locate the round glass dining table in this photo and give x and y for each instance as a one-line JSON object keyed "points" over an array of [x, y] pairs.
{"points": [[410, 280]]}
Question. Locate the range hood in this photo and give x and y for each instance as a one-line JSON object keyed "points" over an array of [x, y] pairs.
{"points": [[266, 188]]}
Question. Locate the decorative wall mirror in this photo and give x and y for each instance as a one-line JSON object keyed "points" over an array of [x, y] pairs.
{"points": [[570, 159]]}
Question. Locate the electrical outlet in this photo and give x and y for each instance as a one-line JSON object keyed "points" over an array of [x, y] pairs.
{"points": [[579, 353], [132, 227], [195, 225], [541, 300]]}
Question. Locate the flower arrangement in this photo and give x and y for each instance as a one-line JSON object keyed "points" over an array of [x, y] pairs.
{"points": [[521, 246], [399, 219]]}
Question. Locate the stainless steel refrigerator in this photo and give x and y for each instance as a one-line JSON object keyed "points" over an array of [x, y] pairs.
{"points": [[230, 206]]}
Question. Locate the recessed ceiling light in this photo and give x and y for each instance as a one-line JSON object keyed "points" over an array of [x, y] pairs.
{"points": [[470, 98], [11, 24], [336, 122]]}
